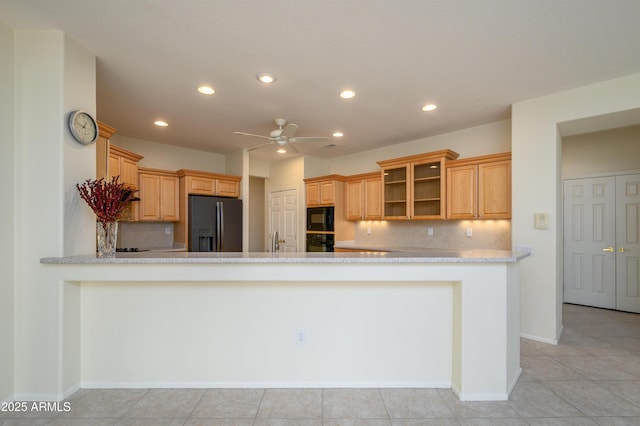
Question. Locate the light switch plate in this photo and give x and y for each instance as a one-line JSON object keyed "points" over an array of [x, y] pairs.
{"points": [[541, 220]]}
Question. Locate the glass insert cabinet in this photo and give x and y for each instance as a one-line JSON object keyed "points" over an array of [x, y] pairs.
{"points": [[414, 186]]}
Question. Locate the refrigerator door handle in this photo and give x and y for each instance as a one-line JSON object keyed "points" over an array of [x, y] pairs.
{"points": [[220, 225]]}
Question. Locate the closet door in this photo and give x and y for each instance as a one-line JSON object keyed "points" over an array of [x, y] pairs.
{"points": [[628, 241], [589, 242]]}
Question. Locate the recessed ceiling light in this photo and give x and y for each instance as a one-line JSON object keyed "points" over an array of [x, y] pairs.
{"points": [[160, 123], [338, 134], [266, 78], [347, 94], [429, 107], [206, 90], [281, 151]]}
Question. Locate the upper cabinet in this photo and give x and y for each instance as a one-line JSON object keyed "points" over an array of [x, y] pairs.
{"points": [[124, 163], [364, 196], [479, 187], [112, 160], [159, 195], [414, 187], [204, 183], [322, 191]]}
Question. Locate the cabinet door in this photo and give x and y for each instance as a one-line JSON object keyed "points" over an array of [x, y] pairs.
{"points": [[313, 194], [396, 189], [200, 185], [327, 193], [227, 188], [129, 172], [373, 198], [427, 190], [354, 200], [114, 167], [461, 192], [169, 198], [149, 202], [494, 190]]}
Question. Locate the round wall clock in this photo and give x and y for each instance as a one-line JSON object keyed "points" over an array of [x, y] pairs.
{"points": [[84, 127]]}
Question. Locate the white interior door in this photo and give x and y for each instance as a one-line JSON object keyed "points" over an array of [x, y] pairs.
{"points": [[589, 242], [284, 220], [628, 240]]}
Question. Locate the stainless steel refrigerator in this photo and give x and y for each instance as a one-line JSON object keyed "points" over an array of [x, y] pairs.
{"points": [[215, 224]]}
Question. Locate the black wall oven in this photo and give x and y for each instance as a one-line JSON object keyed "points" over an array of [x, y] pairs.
{"points": [[319, 242], [320, 219]]}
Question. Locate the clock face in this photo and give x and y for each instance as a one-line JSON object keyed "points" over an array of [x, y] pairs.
{"points": [[83, 127]]}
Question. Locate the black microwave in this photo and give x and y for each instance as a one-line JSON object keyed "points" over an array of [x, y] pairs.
{"points": [[320, 219]]}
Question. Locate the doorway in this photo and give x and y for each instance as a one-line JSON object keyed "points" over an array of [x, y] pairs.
{"points": [[602, 242], [283, 212]]}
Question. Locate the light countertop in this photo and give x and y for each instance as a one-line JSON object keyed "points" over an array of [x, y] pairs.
{"points": [[407, 255]]}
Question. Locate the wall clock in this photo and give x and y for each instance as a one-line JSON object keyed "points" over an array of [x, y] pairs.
{"points": [[84, 127]]}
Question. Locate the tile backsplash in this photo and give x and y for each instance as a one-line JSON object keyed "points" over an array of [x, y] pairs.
{"points": [[485, 234], [145, 235]]}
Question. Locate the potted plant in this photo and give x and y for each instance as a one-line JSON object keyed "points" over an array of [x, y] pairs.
{"points": [[108, 200]]}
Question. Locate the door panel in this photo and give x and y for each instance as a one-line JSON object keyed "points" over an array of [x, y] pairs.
{"points": [[284, 216], [628, 239], [589, 272]]}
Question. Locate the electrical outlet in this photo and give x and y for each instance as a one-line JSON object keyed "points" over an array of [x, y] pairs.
{"points": [[301, 337], [369, 230], [469, 232], [167, 230], [430, 232]]}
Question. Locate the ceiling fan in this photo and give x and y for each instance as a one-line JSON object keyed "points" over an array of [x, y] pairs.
{"points": [[282, 136]]}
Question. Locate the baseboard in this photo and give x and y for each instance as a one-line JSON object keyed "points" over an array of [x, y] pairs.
{"points": [[263, 385], [488, 396], [540, 339]]}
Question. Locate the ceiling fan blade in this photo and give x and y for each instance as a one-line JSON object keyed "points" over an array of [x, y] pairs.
{"points": [[251, 134], [289, 130], [309, 139], [260, 146]]}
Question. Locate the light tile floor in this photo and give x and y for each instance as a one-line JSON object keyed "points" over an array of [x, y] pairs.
{"points": [[591, 378]]}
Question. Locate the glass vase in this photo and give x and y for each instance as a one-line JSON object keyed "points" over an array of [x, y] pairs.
{"points": [[107, 235]]}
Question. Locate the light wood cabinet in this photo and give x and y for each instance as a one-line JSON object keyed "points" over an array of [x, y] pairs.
{"points": [[124, 164], [322, 191], [364, 197], [414, 187], [112, 161], [204, 183], [479, 187], [159, 195]]}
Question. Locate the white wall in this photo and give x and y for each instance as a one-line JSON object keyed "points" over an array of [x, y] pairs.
{"points": [[7, 212], [168, 157], [536, 165], [601, 152], [480, 140], [52, 76]]}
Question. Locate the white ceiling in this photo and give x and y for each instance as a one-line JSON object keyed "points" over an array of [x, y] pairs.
{"points": [[472, 58]]}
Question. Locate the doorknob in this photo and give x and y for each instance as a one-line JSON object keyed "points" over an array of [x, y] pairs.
{"points": [[620, 249], [608, 249], [281, 241]]}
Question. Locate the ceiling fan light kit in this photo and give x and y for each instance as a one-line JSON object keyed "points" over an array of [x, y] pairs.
{"points": [[282, 136]]}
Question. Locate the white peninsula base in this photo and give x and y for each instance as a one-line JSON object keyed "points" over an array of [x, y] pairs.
{"points": [[291, 323]]}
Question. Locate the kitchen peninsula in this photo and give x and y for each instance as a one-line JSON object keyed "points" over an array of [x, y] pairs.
{"points": [[425, 319]]}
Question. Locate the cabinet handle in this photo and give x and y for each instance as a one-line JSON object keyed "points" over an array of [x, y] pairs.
{"points": [[608, 249], [620, 249]]}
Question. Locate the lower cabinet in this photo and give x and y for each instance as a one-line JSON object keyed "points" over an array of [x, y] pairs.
{"points": [[159, 192]]}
